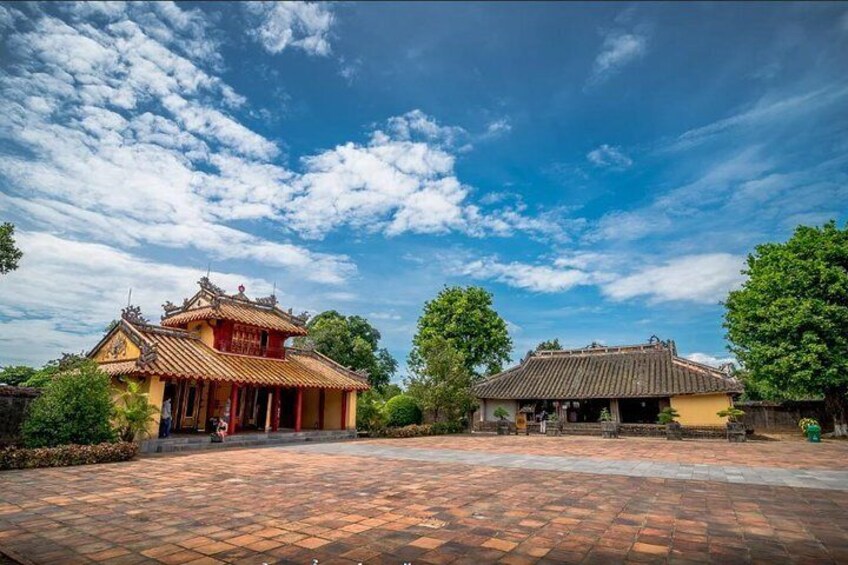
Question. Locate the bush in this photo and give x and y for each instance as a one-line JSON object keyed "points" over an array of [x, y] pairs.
{"points": [[402, 410], [414, 430], [501, 413], [732, 414], [369, 411], [75, 408], [65, 455], [442, 428], [667, 415]]}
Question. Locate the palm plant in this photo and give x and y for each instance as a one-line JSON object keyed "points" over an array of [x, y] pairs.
{"points": [[133, 413]]}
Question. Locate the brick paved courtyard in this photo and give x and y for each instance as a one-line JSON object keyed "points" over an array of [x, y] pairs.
{"points": [[378, 501]]}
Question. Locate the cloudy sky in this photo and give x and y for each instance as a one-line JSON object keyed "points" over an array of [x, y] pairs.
{"points": [[602, 169]]}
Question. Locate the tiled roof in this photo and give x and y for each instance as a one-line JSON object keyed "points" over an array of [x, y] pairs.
{"points": [[269, 317], [169, 352], [649, 370]]}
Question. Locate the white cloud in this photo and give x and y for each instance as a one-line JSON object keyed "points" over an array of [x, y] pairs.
{"points": [[698, 278], [618, 50], [498, 127], [124, 139], [610, 157], [711, 360], [65, 292], [303, 25], [536, 278]]}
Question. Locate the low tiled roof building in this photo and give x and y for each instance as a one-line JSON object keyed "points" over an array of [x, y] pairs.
{"points": [[221, 356], [633, 382]]}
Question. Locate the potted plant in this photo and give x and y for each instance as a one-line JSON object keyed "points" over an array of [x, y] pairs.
{"points": [[668, 418], [735, 429], [609, 427], [503, 424], [553, 428], [810, 427]]}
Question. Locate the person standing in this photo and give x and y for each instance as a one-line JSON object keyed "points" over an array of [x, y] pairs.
{"points": [[165, 419]]}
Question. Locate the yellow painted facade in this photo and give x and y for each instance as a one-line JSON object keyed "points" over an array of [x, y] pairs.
{"points": [[207, 335], [309, 415], [701, 409], [351, 410], [118, 348]]}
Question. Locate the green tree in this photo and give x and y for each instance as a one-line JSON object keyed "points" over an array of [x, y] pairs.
{"points": [[17, 375], [787, 324], [9, 253], [465, 317], [133, 413], [75, 407], [442, 383], [353, 342], [42, 377], [549, 345]]}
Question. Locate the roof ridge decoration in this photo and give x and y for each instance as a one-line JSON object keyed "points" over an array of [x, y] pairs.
{"points": [[132, 314]]}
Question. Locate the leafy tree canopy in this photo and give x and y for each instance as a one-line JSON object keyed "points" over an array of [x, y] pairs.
{"points": [[442, 383], [787, 324], [465, 317], [17, 375], [9, 253], [353, 342], [549, 345]]}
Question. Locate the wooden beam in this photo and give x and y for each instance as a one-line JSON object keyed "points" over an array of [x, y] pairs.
{"points": [[322, 402], [233, 409], [298, 410], [275, 410]]}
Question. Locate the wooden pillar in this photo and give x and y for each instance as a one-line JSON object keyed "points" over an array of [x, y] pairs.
{"points": [[275, 410], [322, 402], [298, 410], [233, 409], [615, 412], [344, 410], [483, 410]]}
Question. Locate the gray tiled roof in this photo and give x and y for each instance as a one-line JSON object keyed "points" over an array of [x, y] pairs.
{"points": [[606, 372]]}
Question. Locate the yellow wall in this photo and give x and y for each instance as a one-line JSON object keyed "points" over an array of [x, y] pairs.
{"points": [[203, 328], [332, 409], [309, 416], [700, 410], [155, 389], [118, 348], [351, 410]]}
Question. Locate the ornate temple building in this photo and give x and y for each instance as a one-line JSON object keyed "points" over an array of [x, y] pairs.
{"points": [[225, 356]]}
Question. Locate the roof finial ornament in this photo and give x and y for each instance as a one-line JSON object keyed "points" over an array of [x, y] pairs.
{"points": [[129, 297], [132, 314]]}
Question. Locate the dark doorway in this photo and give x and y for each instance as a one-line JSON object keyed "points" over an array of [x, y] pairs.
{"points": [[288, 402], [639, 410]]}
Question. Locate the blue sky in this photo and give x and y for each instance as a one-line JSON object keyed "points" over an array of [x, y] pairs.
{"points": [[602, 169]]}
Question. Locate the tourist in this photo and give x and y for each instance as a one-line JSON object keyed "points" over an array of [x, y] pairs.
{"points": [[165, 420]]}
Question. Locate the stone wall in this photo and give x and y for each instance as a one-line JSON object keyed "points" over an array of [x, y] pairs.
{"points": [[625, 430], [13, 405], [783, 416]]}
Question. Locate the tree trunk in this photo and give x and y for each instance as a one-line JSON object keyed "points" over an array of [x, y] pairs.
{"points": [[836, 403]]}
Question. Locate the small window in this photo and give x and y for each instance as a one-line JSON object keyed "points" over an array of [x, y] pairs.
{"points": [[263, 341]]}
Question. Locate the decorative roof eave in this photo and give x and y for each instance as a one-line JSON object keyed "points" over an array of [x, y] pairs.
{"points": [[130, 316], [361, 375]]}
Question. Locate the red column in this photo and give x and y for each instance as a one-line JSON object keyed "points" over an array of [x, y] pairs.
{"points": [[275, 410], [322, 399], [298, 411], [344, 409], [233, 409]]}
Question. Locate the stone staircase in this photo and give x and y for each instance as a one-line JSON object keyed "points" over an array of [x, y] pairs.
{"points": [[203, 441]]}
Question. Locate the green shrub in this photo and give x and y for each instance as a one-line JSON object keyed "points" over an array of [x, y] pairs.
{"points": [[369, 411], [133, 413], [413, 430], [667, 415], [732, 414], [65, 455], [442, 428], [605, 415], [76, 407], [501, 413], [402, 410]]}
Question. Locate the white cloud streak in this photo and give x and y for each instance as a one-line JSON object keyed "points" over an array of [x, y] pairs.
{"points": [[618, 50], [300, 25]]}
